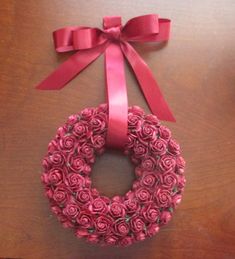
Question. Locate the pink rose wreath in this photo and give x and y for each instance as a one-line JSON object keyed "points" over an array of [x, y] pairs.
{"points": [[159, 166]]}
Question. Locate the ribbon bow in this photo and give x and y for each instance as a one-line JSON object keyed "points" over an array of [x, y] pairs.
{"points": [[114, 40]]}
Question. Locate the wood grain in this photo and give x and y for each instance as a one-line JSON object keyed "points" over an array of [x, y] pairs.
{"points": [[196, 74]]}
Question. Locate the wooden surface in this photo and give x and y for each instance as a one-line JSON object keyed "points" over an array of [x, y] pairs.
{"points": [[196, 74]]}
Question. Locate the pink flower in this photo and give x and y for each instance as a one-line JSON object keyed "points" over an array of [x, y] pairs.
{"points": [[99, 206], [67, 143], [72, 119], [60, 195], [148, 179], [133, 121], [111, 239], [83, 196], [85, 220], [126, 241], [165, 217], [57, 159], [132, 206], [71, 210], [143, 195], [176, 199], [140, 150], [98, 142], [121, 228], [137, 224], [98, 122], [180, 164], [152, 229], [158, 146], [103, 224], [87, 114], [166, 163], [117, 210], [164, 133], [169, 180], [87, 152], [136, 110], [93, 238], [54, 176], [80, 130], [148, 164], [78, 165], [76, 181], [173, 147], [146, 132], [163, 198], [151, 213], [152, 119]]}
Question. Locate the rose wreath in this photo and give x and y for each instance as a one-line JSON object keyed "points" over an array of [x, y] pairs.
{"points": [[159, 169]]}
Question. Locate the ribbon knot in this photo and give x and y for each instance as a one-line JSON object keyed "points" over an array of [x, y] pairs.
{"points": [[114, 40]]}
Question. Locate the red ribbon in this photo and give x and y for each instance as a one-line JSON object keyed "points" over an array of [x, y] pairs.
{"points": [[114, 41]]}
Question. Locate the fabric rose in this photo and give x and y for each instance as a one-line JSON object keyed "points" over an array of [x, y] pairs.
{"points": [[164, 133], [148, 163], [71, 210], [87, 152], [61, 131], [140, 150], [121, 228], [151, 213], [173, 147], [136, 110], [137, 224], [78, 165], [140, 236], [93, 238], [163, 198], [67, 143], [158, 147], [52, 146], [150, 118], [169, 180], [54, 176], [166, 163], [85, 220], [152, 229], [60, 195], [181, 182], [117, 210], [134, 121], [83, 196], [165, 217], [87, 114], [76, 181], [146, 132], [103, 224], [148, 179], [143, 195], [126, 241], [132, 206], [57, 159], [111, 239], [176, 199], [80, 130], [98, 143], [180, 164], [72, 119], [130, 143], [98, 122], [98, 205]]}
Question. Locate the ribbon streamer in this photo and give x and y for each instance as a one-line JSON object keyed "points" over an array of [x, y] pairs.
{"points": [[114, 40]]}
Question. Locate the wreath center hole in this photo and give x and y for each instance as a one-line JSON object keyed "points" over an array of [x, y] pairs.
{"points": [[113, 173]]}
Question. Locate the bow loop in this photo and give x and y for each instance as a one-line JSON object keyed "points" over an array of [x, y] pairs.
{"points": [[114, 41]]}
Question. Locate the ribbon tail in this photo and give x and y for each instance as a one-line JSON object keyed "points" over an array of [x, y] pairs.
{"points": [[117, 96], [148, 84], [70, 68]]}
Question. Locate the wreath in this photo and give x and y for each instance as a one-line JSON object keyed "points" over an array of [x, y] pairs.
{"points": [[120, 220]]}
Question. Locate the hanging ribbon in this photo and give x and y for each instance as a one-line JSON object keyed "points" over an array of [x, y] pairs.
{"points": [[114, 40]]}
